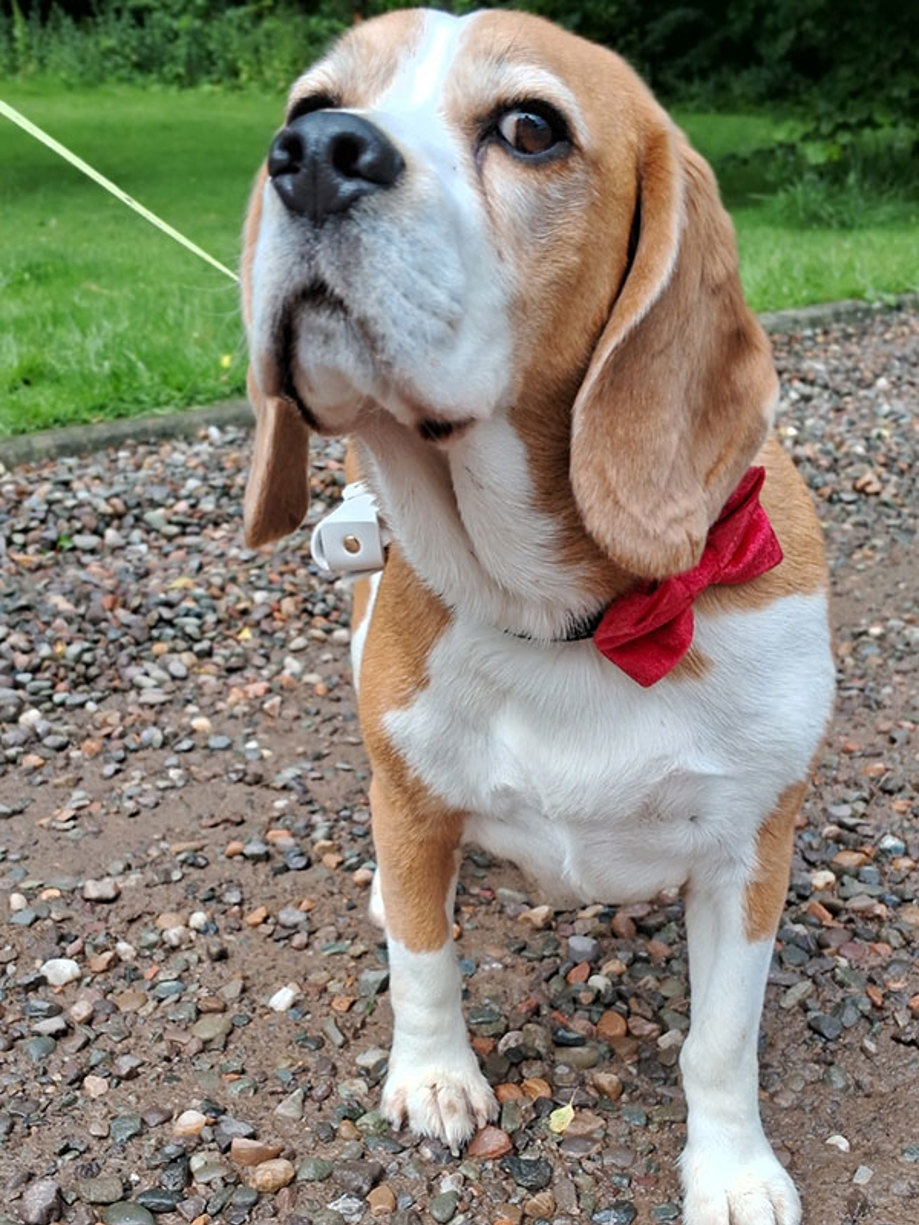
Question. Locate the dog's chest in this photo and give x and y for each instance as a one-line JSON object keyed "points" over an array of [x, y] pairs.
{"points": [[596, 787]]}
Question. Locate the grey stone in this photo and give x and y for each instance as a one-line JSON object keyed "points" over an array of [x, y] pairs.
{"points": [[38, 1049], [158, 1199], [41, 1202], [213, 1027], [292, 1106], [443, 1207], [124, 1127], [622, 1213], [105, 1189], [314, 1169], [534, 1174], [583, 948], [372, 982], [358, 1176], [124, 1213], [826, 1026], [104, 890]]}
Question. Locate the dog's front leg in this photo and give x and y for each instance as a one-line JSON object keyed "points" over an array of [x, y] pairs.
{"points": [[730, 1174], [434, 1081]]}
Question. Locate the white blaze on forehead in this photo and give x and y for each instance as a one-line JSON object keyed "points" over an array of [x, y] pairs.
{"points": [[420, 82]]}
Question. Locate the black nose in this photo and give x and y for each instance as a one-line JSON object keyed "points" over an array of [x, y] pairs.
{"points": [[326, 160]]}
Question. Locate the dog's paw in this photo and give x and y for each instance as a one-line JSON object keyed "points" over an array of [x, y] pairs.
{"points": [[720, 1189], [449, 1104]]}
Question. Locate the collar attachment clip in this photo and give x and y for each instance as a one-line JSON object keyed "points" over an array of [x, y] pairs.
{"points": [[350, 539]]}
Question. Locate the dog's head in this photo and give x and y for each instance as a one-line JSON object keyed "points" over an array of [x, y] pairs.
{"points": [[462, 212]]}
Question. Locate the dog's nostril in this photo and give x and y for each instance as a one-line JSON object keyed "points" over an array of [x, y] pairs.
{"points": [[346, 153], [286, 154]]}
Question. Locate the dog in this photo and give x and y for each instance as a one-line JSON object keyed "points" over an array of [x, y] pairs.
{"points": [[599, 646]]}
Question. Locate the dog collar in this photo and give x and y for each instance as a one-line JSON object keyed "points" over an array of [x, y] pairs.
{"points": [[645, 632]]}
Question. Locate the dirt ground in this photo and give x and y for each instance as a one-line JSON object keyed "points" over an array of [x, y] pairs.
{"points": [[183, 815]]}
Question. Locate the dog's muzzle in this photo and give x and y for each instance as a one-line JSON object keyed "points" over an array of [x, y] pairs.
{"points": [[325, 161]]}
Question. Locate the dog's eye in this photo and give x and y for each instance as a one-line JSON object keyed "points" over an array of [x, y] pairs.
{"points": [[312, 102], [530, 132]]}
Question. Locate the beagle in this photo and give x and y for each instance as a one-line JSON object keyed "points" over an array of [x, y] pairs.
{"points": [[599, 644]]}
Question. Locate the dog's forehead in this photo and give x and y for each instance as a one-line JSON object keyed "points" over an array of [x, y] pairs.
{"points": [[419, 58]]}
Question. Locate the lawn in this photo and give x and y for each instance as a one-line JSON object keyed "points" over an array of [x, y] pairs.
{"points": [[103, 316]]}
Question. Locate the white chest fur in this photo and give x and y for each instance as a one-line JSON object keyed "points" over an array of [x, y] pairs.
{"points": [[605, 791]]}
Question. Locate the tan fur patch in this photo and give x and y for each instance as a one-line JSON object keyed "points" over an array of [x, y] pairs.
{"points": [[692, 667], [415, 835], [791, 511], [363, 63], [765, 894]]}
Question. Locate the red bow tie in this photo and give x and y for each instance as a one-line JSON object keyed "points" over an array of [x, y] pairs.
{"points": [[647, 631]]}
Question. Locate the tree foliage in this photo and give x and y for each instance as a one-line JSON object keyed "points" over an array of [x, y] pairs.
{"points": [[852, 64]]}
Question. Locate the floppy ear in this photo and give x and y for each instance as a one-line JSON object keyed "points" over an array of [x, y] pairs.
{"points": [[277, 491], [678, 395]]}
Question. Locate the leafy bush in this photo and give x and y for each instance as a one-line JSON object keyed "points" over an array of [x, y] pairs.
{"points": [[173, 42], [842, 67]]}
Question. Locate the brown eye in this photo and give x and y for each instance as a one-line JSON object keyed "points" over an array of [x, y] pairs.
{"points": [[530, 133]]}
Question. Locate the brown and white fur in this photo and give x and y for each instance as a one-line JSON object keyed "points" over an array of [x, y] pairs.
{"points": [[580, 321]]}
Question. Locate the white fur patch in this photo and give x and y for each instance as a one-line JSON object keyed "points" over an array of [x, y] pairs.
{"points": [[608, 791], [359, 632], [730, 1173], [434, 1082], [466, 521]]}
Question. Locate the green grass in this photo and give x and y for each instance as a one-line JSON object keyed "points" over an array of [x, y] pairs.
{"points": [[103, 316]]}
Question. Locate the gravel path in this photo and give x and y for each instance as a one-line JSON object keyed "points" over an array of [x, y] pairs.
{"points": [[194, 1005]]}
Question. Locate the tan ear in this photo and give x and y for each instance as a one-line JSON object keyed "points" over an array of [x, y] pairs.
{"points": [[679, 392], [277, 491]]}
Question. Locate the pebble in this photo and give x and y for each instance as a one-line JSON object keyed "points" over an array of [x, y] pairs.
{"points": [[490, 1143], [124, 1127], [443, 1207], [41, 1202], [125, 1213], [271, 1175], [583, 948], [60, 970], [541, 1205], [104, 890], [105, 1189], [826, 1026], [291, 1107], [253, 1152], [622, 1213], [381, 1200], [189, 1123], [531, 1173], [314, 1169], [284, 998], [159, 1199]]}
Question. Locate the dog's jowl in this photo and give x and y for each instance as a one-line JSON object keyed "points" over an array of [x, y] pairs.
{"points": [[599, 643]]}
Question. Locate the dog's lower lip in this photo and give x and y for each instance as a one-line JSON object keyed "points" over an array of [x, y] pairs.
{"points": [[434, 430], [318, 294]]}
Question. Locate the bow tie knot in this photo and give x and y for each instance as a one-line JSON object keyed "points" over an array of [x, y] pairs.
{"points": [[647, 631]]}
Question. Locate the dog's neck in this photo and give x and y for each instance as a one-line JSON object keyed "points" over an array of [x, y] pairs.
{"points": [[471, 521]]}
